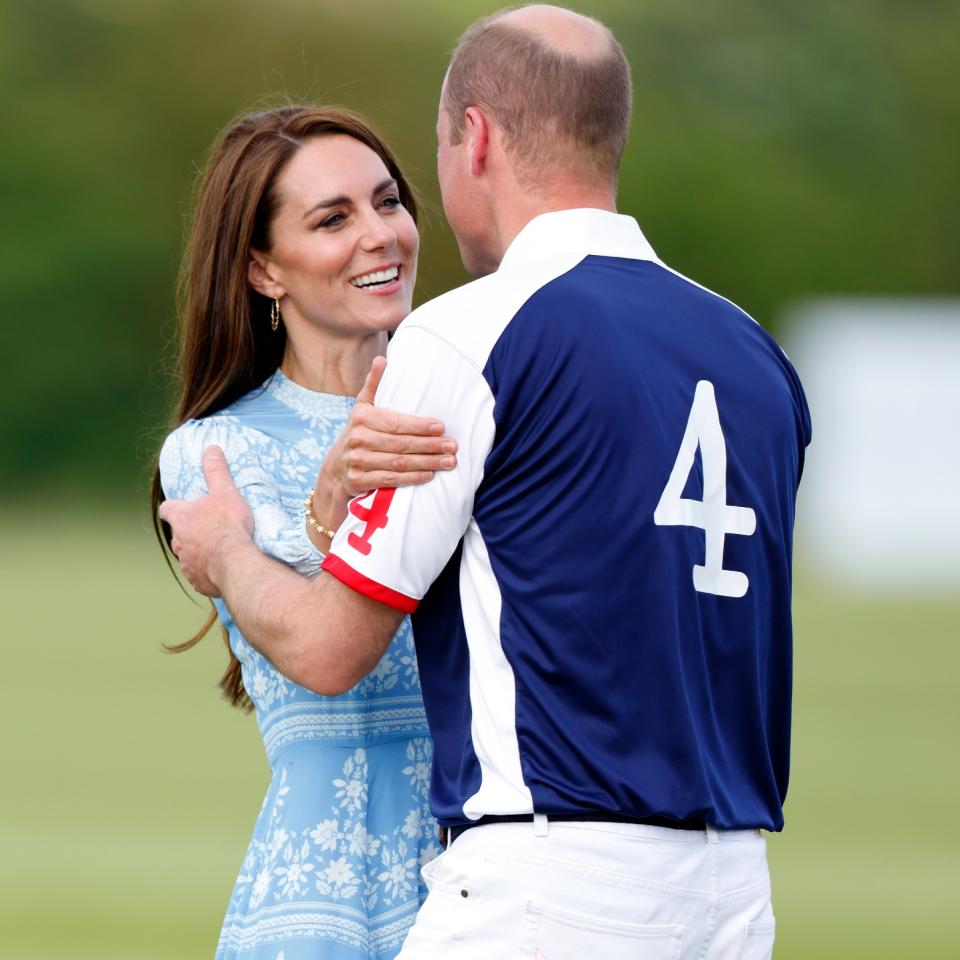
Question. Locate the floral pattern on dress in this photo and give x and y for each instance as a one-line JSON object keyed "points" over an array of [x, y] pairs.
{"points": [[337, 855]]}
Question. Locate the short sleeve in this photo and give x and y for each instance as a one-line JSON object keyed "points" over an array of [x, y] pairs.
{"points": [[395, 543], [249, 454]]}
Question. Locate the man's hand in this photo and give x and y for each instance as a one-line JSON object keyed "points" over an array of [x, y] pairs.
{"points": [[203, 529], [378, 448], [319, 633]]}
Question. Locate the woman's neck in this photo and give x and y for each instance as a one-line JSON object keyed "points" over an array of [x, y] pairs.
{"points": [[330, 364]]}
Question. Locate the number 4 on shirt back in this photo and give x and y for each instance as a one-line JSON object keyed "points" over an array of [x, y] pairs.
{"points": [[713, 515]]}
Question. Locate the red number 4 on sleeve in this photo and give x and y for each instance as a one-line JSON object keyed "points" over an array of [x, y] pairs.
{"points": [[374, 517]]}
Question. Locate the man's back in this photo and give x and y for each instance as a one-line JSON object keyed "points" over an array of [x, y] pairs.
{"points": [[595, 382], [601, 671]]}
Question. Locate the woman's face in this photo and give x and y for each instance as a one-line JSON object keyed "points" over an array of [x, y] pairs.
{"points": [[343, 248]]}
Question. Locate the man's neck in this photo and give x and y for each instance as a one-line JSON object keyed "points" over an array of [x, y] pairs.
{"points": [[510, 217]]}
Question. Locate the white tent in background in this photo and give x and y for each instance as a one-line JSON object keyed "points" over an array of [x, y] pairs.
{"points": [[880, 500]]}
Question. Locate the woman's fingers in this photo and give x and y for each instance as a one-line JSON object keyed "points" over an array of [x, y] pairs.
{"points": [[363, 464], [381, 420], [384, 448], [362, 438]]}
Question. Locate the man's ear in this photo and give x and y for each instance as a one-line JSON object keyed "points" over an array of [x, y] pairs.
{"points": [[260, 275], [477, 132]]}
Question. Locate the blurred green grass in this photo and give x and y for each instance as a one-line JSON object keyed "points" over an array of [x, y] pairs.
{"points": [[130, 789]]}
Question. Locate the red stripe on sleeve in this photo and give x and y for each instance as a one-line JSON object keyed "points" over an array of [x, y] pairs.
{"points": [[369, 588]]}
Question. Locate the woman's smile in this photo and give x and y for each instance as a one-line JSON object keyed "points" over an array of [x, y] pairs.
{"points": [[380, 281]]}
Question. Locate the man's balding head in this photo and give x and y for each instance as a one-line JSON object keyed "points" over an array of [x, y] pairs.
{"points": [[556, 82], [560, 29]]}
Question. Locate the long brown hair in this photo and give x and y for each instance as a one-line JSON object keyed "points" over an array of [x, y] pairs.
{"points": [[226, 345]]}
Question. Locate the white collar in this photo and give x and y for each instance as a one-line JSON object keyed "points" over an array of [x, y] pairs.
{"points": [[584, 231]]}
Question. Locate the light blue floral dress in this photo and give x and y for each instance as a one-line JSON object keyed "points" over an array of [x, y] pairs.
{"points": [[333, 869]]}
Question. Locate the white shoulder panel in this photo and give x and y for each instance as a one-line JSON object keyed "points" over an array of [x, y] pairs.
{"points": [[471, 318]]}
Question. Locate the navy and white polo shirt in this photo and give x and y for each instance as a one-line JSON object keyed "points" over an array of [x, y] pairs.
{"points": [[602, 587]]}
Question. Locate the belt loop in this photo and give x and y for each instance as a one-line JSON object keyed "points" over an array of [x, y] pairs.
{"points": [[712, 835], [540, 824]]}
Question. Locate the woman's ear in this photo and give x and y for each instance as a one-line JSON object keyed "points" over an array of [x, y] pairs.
{"points": [[259, 274]]}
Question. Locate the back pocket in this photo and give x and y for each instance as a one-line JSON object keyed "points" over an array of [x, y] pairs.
{"points": [[558, 935], [759, 944]]}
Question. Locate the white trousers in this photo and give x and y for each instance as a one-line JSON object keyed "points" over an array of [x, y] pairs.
{"points": [[595, 891]]}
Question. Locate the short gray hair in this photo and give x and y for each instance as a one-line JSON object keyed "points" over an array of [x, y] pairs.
{"points": [[558, 111]]}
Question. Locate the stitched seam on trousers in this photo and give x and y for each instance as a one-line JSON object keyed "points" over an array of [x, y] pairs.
{"points": [[614, 879]]}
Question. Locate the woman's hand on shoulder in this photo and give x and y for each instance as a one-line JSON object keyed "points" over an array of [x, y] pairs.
{"points": [[383, 448], [378, 448]]}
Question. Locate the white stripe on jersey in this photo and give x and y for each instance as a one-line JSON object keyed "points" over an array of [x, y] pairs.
{"points": [[493, 689]]}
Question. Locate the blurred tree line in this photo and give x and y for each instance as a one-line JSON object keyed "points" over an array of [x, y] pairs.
{"points": [[779, 149]]}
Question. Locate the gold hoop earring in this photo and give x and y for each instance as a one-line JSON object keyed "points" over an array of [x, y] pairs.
{"points": [[275, 314]]}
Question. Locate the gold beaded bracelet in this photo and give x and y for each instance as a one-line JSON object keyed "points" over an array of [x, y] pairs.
{"points": [[312, 520]]}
